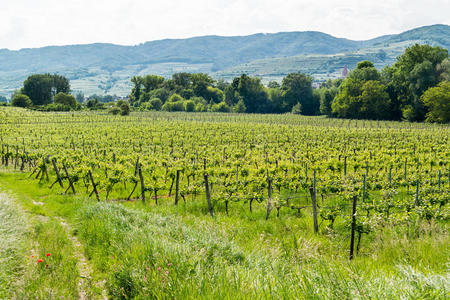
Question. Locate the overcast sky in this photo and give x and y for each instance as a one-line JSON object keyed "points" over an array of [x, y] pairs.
{"points": [[36, 23]]}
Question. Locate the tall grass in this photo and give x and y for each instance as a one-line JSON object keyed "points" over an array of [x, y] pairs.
{"points": [[161, 252], [159, 255], [12, 245]]}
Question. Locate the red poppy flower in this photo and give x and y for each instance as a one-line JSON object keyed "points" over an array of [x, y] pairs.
{"points": [[39, 260], [48, 254]]}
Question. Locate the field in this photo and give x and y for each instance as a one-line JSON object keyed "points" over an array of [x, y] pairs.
{"points": [[222, 206]]}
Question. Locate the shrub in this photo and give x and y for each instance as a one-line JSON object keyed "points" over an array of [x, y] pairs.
{"points": [[189, 105], [297, 109], [66, 100], [124, 109], [220, 107], [21, 100], [114, 110], [156, 103]]}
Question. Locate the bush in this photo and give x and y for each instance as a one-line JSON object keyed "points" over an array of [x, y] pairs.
{"points": [[240, 107], [156, 103], [94, 104], [124, 109], [114, 110], [189, 105], [175, 98], [56, 107], [21, 100], [200, 107], [297, 109], [220, 107], [66, 100]]}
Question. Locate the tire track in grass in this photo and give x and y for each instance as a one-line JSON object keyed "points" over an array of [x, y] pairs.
{"points": [[87, 289], [85, 269]]}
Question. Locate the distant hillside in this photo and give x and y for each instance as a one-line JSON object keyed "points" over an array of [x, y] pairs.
{"points": [[107, 68]]}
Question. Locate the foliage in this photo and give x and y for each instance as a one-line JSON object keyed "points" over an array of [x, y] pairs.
{"points": [[437, 100], [41, 88], [297, 88], [66, 100], [21, 100]]}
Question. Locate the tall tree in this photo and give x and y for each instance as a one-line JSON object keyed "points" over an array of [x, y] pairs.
{"points": [[414, 72], [253, 93], [41, 88], [437, 100], [297, 88]]}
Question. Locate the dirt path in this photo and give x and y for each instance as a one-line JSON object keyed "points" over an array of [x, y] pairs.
{"points": [[86, 283], [87, 287]]}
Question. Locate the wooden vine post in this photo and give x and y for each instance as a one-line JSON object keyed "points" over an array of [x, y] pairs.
{"points": [[142, 184], [208, 196], [352, 237], [94, 185], [312, 190], [57, 172], [177, 187], [417, 192], [68, 178], [269, 199]]}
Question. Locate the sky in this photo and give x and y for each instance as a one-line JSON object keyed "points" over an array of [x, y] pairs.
{"points": [[37, 23]]}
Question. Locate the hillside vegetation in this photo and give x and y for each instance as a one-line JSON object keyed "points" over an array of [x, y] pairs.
{"points": [[107, 68]]}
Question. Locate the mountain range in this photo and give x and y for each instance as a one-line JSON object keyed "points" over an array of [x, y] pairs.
{"points": [[107, 68]]}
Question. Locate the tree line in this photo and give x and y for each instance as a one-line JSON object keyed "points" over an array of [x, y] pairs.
{"points": [[200, 92], [415, 88]]}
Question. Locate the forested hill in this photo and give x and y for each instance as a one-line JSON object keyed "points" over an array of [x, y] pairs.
{"points": [[107, 68]]}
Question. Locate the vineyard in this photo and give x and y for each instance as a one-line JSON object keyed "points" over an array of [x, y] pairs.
{"points": [[343, 180]]}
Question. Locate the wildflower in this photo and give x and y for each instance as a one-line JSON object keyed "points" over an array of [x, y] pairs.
{"points": [[159, 269], [169, 264], [32, 256], [167, 272], [48, 254], [39, 260]]}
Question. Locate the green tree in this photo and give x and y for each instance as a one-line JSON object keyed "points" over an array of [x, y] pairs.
{"points": [[297, 109], [189, 105], [220, 107], [273, 85], [41, 88], [152, 82], [346, 104], [66, 100], [375, 101], [138, 84], [253, 93], [326, 98], [297, 88], [124, 109], [161, 93], [437, 100], [418, 69], [214, 95], [21, 100], [276, 100], [156, 103], [175, 98], [239, 107], [200, 83]]}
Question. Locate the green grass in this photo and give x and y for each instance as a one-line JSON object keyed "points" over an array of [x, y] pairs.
{"points": [[181, 252], [12, 246], [25, 237]]}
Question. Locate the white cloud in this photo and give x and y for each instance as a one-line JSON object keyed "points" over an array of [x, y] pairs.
{"points": [[31, 23]]}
